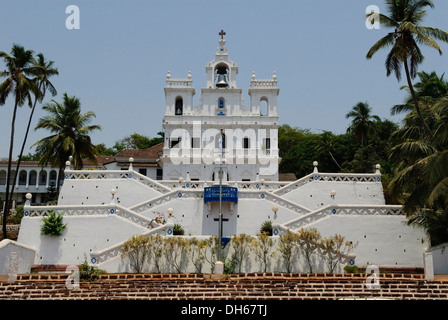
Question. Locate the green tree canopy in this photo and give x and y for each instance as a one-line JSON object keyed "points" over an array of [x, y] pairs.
{"points": [[70, 134], [405, 17]]}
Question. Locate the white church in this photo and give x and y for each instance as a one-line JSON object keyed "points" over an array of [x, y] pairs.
{"points": [[102, 208], [248, 134]]}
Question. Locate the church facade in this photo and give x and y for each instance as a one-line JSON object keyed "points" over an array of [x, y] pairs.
{"points": [[221, 129]]}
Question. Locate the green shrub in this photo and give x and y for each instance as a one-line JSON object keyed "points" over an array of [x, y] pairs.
{"points": [[266, 227], [16, 218], [89, 273], [178, 230], [351, 269], [53, 225]]}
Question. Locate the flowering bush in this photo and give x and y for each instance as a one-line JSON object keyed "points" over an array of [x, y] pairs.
{"points": [[160, 217]]}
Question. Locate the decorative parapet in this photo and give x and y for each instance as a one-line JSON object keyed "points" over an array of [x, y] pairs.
{"points": [[186, 82], [263, 83], [69, 210], [116, 174], [294, 185], [246, 185], [80, 210], [333, 177], [101, 256], [287, 204], [150, 204], [329, 210]]}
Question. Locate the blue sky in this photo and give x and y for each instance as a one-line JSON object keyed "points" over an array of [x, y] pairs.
{"points": [[117, 61]]}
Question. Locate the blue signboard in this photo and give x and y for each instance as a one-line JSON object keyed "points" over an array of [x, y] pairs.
{"points": [[229, 194]]}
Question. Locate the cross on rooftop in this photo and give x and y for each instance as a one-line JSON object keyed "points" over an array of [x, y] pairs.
{"points": [[222, 34]]}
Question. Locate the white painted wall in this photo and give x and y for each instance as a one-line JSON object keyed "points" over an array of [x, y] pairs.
{"points": [[82, 235], [316, 194], [440, 258], [97, 191], [382, 240], [26, 256]]}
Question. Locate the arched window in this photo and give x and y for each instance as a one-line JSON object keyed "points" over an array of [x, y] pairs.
{"points": [[217, 138], [221, 111], [179, 107], [2, 178], [53, 177], [221, 76], [22, 177], [264, 106], [33, 177], [42, 178]]}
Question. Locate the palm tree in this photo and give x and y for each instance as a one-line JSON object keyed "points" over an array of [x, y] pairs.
{"points": [[19, 68], [362, 125], [428, 90], [421, 180], [70, 134], [43, 70], [326, 146], [405, 17]]}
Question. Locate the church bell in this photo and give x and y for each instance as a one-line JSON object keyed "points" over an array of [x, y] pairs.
{"points": [[222, 82]]}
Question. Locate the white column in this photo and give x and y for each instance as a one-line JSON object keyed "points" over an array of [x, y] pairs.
{"points": [[27, 179], [428, 266], [48, 178]]}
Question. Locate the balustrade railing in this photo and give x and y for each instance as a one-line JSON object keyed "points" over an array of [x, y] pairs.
{"points": [[79, 210], [263, 83], [284, 203], [116, 174], [249, 185], [337, 177], [101, 256], [179, 83], [328, 210], [83, 210]]}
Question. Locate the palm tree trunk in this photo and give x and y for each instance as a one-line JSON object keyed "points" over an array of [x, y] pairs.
{"points": [[8, 184], [19, 160], [414, 98], [61, 172], [332, 157]]}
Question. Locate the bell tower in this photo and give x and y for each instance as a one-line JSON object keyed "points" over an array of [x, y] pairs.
{"points": [[221, 72], [249, 147]]}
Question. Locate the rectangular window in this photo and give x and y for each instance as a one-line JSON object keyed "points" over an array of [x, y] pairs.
{"points": [[267, 146], [246, 143], [267, 143], [195, 142], [174, 142], [159, 174]]}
